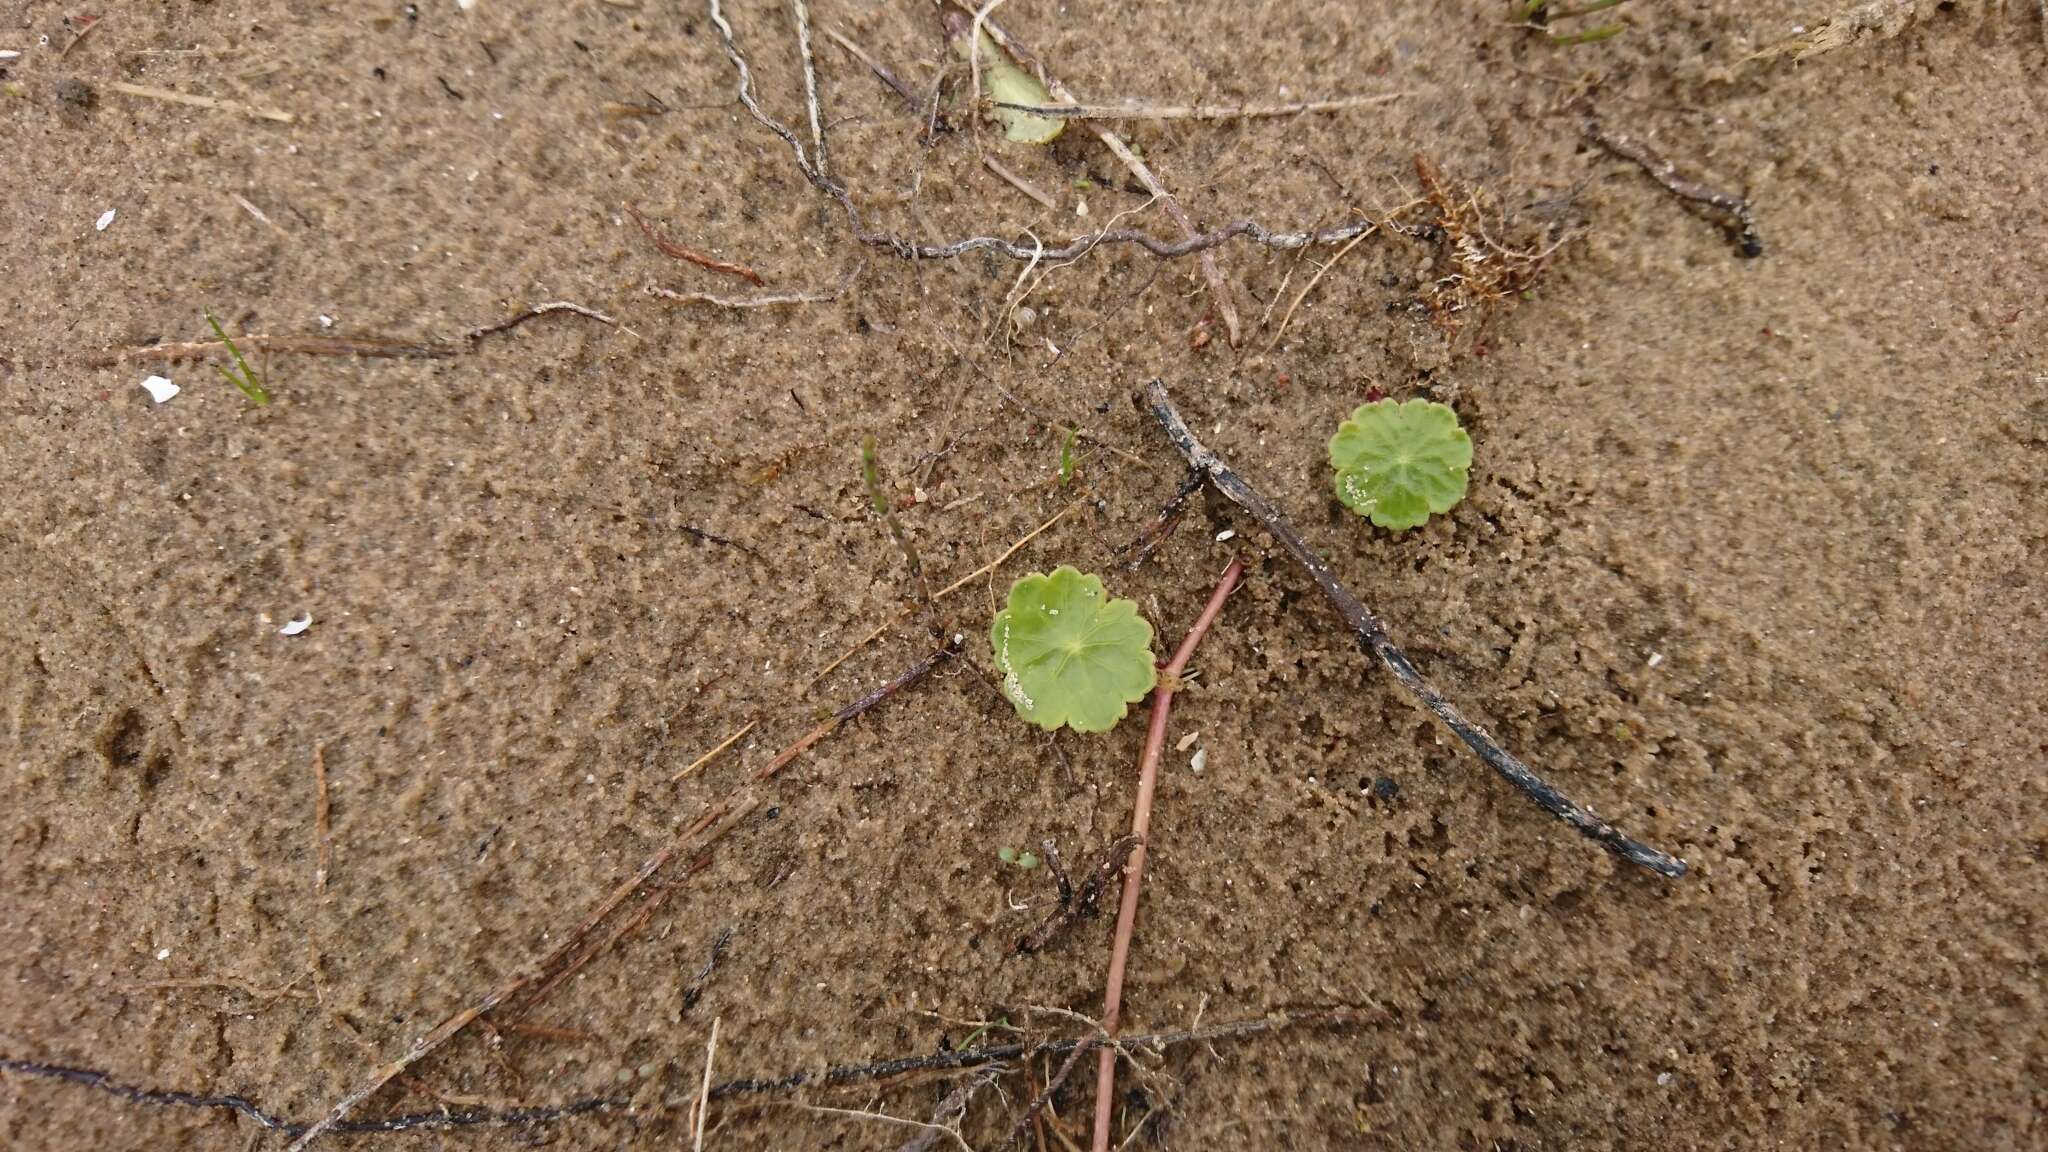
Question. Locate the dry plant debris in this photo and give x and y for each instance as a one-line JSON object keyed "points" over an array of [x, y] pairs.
{"points": [[1474, 269]]}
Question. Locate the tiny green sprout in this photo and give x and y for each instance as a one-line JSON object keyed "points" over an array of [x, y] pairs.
{"points": [[1069, 654], [243, 377], [1399, 462], [1067, 457], [1025, 860]]}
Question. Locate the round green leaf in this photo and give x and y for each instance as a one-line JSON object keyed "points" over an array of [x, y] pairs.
{"points": [[1399, 462], [1071, 655]]}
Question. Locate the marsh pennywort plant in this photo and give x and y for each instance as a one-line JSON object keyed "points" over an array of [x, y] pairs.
{"points": [[1069, 654], [1398, 463]]}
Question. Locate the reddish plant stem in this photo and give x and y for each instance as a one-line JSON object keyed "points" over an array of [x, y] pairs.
{"points": [[1141, 824]]}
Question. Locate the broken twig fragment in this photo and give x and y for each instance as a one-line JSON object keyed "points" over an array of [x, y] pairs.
{"points": [[1742, 221], [687, 254]]}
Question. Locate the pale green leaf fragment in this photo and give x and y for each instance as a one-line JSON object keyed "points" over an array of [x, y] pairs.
{"points": [[1004, 81]]}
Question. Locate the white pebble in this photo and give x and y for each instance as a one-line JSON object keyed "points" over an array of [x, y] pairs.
{"points": [[1226, 534], [160, 389], [163, 953], [1200, 761], [1656, 658], [105, 219], [296, 625]]}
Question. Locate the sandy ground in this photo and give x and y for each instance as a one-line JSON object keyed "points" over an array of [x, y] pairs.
{"points": [[1753, 562]]}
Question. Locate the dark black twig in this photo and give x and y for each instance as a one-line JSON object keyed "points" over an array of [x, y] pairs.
{"points": [[1373, 638], [834, 1075], [1163, 525], [1078, 902], [1052, 1087], [696, 988], [1665, 173]]}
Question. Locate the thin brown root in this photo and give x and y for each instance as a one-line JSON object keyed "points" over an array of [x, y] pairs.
{"points": [[679, 251], [911, 676], [539, 310], [764, 300], [832, 1076]]}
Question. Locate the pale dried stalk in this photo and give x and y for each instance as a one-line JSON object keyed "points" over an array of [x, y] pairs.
{"points": [[1196, 111]]}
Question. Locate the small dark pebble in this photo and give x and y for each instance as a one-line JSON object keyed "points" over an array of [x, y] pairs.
{"points": [[1384, 788], [77, 95]]}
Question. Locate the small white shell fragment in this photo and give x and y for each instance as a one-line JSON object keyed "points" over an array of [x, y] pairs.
{"points": [[326, 321], [296, 624], [1226, 534], [1656, 658], [1200, 761], [105, 219], [160, 389], [9, 54], [163, 953], [1187, 742]]}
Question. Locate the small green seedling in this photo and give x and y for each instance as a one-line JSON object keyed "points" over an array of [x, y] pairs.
{"points": [[243, 377], [1537, 15], [1069, 654], [1399, 462], [1025, 860], [1067, 457]]}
